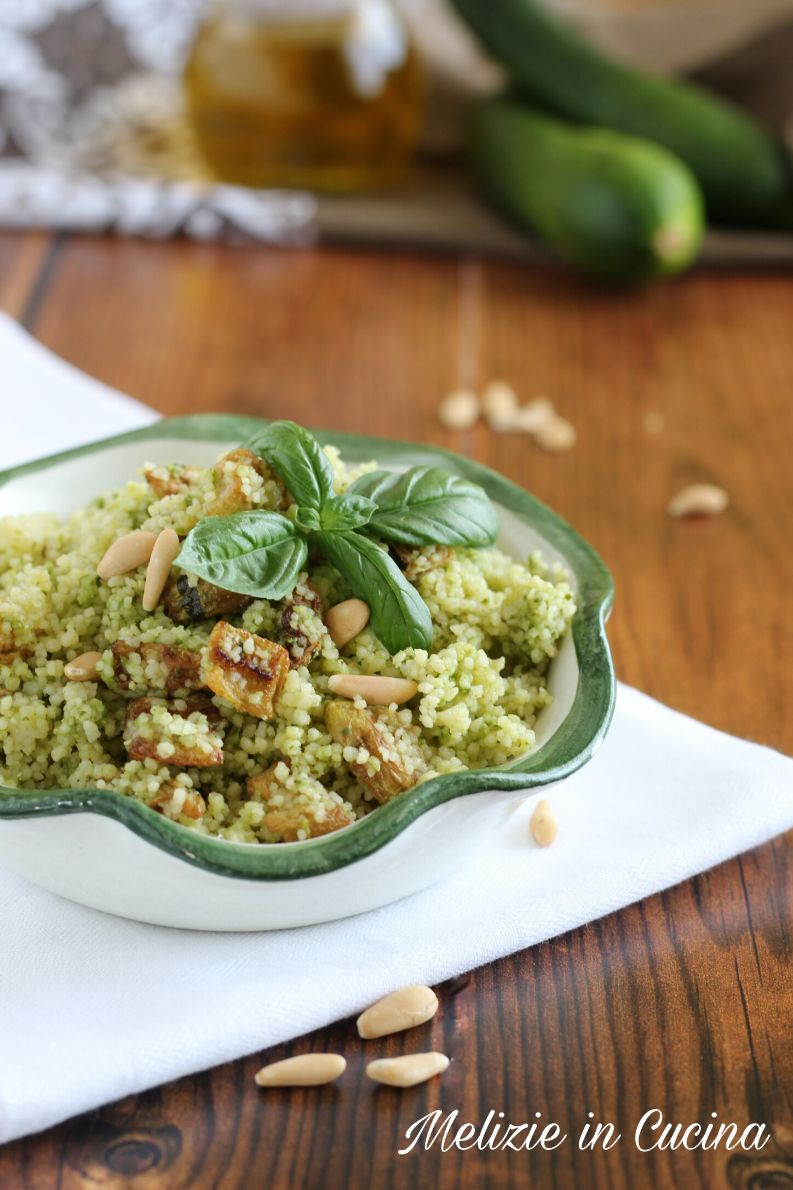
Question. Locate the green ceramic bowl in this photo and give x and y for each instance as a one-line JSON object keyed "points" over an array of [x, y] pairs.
{"points": [[581, 678]]}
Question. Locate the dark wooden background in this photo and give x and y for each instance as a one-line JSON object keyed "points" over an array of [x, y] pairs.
{"points": [[685, 1001]]}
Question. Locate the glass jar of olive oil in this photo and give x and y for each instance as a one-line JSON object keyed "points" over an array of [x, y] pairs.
{"points": [[315, 94]]}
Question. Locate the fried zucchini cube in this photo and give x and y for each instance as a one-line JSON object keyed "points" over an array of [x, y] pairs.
{"points": [[155, 668], [16, 640], [417, 561], [188, 600], [358, 730], [302, 624], [249, 671], [294, 814], [174, 800], [8, 658], [239, 478], [173, 733], [170, 479]]}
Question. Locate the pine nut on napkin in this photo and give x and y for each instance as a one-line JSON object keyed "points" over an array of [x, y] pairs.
{"points": [[664, 798]]}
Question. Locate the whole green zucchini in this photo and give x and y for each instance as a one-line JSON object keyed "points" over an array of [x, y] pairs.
{"points": [[745, 172], [614, 206]]}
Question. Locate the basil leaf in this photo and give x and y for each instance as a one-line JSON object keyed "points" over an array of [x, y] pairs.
{"points": [[400, 617], [347, 512], [428, 506], [299, 460], [254, 553], [307, 519]]}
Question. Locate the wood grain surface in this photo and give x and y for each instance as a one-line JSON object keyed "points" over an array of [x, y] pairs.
{"points": [[683, 1002]]}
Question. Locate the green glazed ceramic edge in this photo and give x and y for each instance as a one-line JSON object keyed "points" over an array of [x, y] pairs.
{"points": [[571, 746]]}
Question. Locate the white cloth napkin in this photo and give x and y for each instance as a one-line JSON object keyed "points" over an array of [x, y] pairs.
{"points": [[51, 405], [94, 1008]]}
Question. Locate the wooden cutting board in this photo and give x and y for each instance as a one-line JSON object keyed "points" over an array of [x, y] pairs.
{"points": [[440, 209]]}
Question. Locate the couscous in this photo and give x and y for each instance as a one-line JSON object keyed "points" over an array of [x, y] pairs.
{"points": [[257, 718]]}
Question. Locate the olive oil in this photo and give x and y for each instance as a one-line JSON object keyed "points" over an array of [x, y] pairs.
{"points": [[316, 94]]}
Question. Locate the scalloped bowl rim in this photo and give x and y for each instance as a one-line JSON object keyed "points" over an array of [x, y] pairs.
{"points": [[572, 744]]}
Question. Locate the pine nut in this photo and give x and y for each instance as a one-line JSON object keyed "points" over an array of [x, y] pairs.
{"points": [[555, 433], [699, 499], [346, 620], [375, 689], [500, 404], [534, 415], [127, 553], [543, 824], [403, 1009], [304, 1070], [82, 668], [460, 410], [407, 1071], [166, 548]]}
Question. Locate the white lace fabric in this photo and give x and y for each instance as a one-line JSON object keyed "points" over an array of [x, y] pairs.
{"points": [[82, 82]]}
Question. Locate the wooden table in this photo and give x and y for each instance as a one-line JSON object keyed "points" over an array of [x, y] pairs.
{"points": [[684, 1001]]}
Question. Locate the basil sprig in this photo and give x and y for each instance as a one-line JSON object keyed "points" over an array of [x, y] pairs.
{"points": [[262, 553]]}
